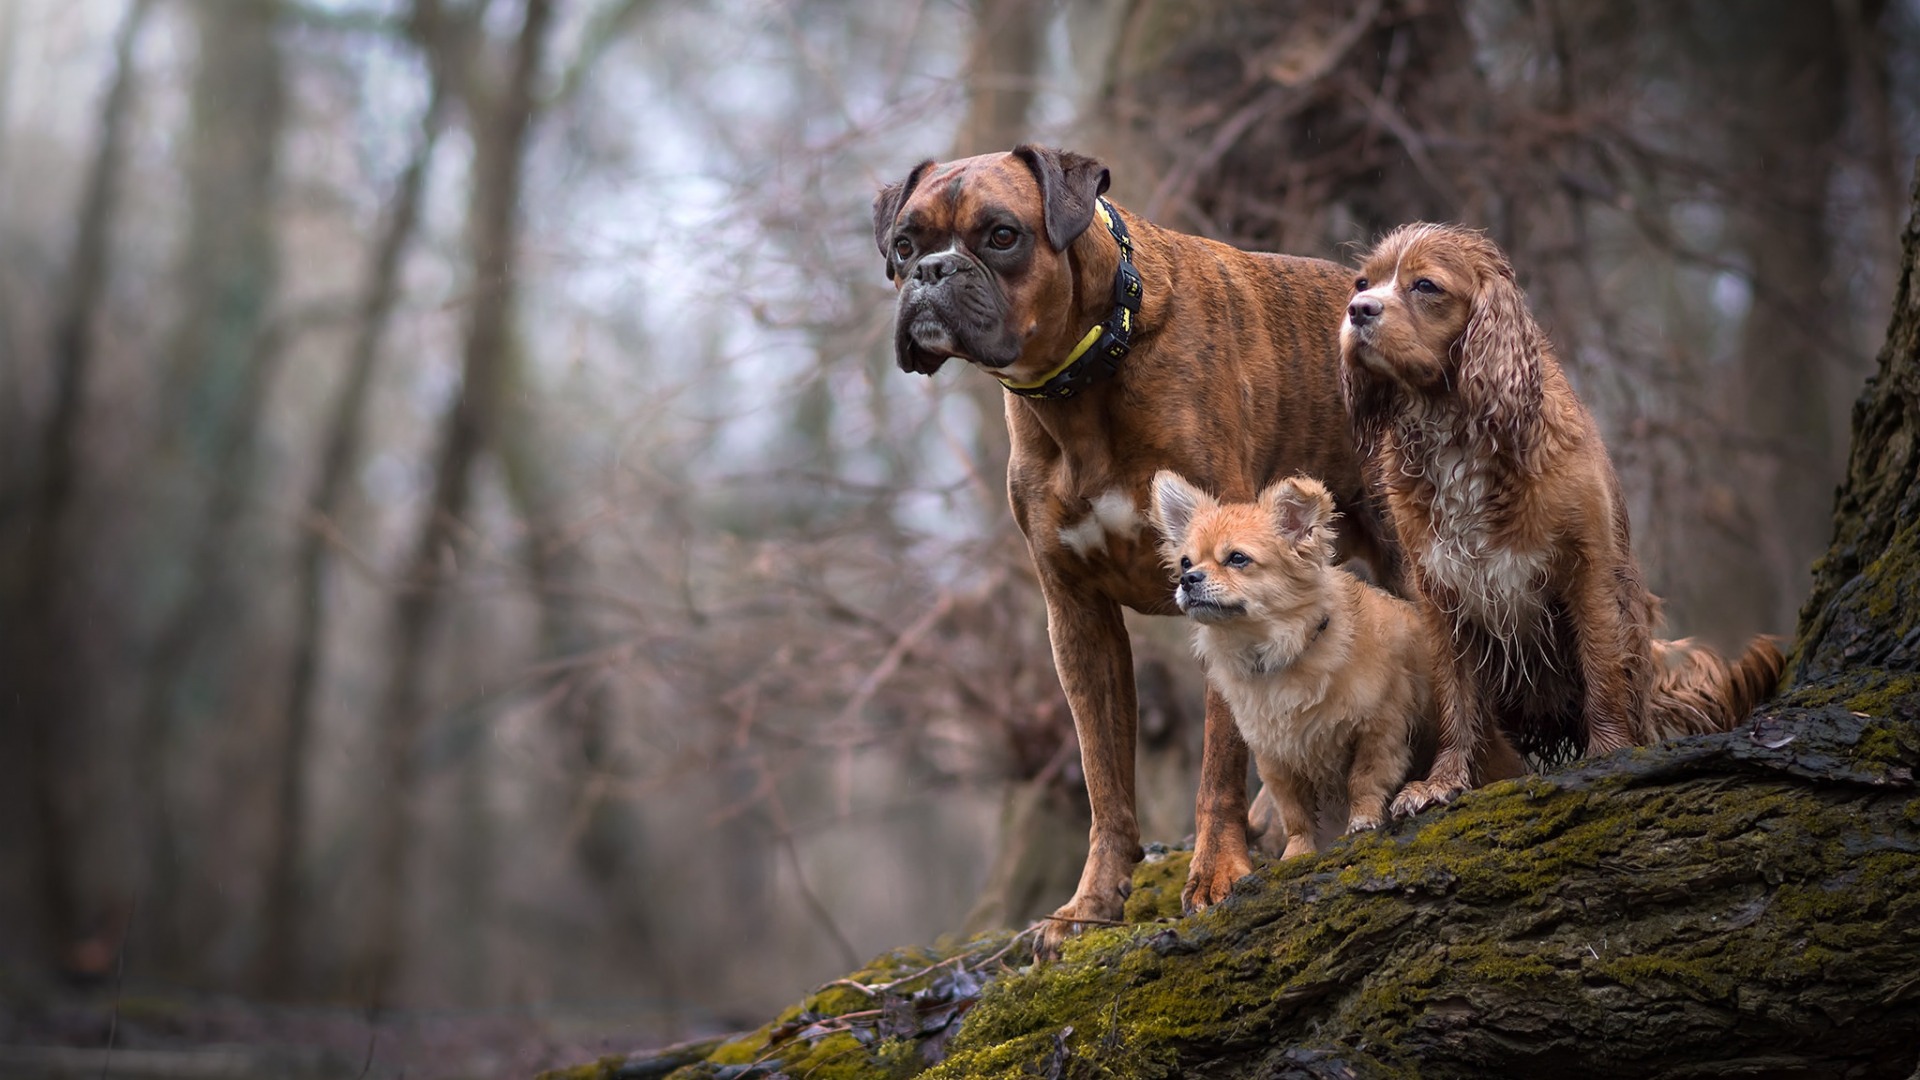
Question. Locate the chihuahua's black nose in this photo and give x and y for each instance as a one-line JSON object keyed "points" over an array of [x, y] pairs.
{"points": [[1363, 308], [1193, 577]]}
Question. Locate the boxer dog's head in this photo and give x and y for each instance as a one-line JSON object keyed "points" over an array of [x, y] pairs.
{"points": [[977, 249]]}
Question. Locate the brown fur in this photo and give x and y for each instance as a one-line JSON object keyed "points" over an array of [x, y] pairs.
{"points": [[1330, 679], [1516, 534], [1233, 380]]}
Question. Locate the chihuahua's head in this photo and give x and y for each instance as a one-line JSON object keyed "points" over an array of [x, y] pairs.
{"points": [[1265, 559]]}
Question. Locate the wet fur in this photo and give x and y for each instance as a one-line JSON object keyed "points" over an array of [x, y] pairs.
{"points": [[1515, 531], [1330, 679]]}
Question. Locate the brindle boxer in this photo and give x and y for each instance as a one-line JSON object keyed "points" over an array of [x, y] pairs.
{"points": [[1125, 349]]}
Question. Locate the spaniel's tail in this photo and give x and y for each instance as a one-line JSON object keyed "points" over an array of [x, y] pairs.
{"points": [[1695, 690]]}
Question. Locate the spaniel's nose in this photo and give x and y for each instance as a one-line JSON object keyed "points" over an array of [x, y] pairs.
{"points": [[1363, 308], [1193, 577]]}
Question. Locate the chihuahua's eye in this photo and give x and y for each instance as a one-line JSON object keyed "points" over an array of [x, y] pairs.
{"points": [[1186, 563], [1002, 237], [1359, 284], [1427, 286], [1238, 559], [903, 247]]}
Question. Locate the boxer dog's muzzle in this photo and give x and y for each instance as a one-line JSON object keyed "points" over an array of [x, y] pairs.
{"points": [[951, 305]]}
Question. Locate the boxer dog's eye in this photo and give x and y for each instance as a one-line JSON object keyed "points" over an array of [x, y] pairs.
{"points": [[1002, 237], [1360, 285], [903, 247], [1238, 559], [1426, 286]]}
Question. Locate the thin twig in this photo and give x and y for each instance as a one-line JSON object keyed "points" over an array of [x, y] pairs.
{"points": [[119, 980], [1084, 920]]}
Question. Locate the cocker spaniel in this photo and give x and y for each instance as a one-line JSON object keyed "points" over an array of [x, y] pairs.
{"points": [[1511, 515]]}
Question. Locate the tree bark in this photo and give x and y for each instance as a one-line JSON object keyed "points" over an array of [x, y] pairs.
{"points": [[278, 965], [1864, 609], [222, 360], [501, 119], [1742, 904], [46, 701]]}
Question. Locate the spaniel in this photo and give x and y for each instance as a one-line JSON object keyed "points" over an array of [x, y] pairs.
{"points": [[1501, 491]]}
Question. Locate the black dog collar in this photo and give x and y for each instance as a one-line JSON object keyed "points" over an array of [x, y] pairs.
{"points": [[1099, 353]]}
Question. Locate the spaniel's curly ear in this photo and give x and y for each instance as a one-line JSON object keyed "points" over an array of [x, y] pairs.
{"points": [[1499, 373]]}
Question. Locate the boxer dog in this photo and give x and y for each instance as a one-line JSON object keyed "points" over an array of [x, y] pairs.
{"points": [[1125, 349]]}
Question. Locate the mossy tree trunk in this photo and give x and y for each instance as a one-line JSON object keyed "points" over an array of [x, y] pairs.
{"points": [[1745, 904]]}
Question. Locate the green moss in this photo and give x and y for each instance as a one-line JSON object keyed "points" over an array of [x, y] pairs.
{"points": [[839, 1056], [1157, 882], [741, 1051], [602, 1069], [1867, 691], [1888, 744], [1855, 618], [1686, 973]]}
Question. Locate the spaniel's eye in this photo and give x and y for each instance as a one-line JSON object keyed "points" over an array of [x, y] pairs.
{"points": [[1002, 237], [903, 248], [1238, 559], [1186, 563], [1360, 285], [1427, 286]]}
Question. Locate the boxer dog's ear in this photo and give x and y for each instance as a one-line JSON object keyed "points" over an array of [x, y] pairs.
{"points": [[1069, 185], [886, 207]]}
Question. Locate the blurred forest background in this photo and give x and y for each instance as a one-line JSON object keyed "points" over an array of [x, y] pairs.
{"points": [[464, 544]]}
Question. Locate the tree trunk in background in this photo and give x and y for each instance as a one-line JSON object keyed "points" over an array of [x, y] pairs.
{"points": [[500, 120], [14, 439], [221, 362], [1783, 63], [278, 965], [1864, 608], [1292, 126], [1004, 63], [47, 703]]}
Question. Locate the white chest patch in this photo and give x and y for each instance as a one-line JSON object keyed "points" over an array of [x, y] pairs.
{"points": [[1112, 513], [1500, 587]]}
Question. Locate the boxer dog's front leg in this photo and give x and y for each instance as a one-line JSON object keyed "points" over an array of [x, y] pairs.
{"points": [[1219, 812], [1095, 664]]}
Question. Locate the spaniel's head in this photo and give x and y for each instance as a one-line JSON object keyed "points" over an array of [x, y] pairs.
{"points": [[1435, 312]]}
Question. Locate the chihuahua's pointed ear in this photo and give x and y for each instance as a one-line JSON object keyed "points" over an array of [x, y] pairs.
{"points": [[1070, 184], [886, 207], [1301, 510], [1175, 503]]}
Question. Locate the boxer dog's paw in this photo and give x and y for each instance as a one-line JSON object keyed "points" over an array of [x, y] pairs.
{"points": [[1076, 915], [1211, 877]]}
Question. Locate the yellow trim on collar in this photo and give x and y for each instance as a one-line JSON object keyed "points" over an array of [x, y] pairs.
{"points": [[1080, 350]]}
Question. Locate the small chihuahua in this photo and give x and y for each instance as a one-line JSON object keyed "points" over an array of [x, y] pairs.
{"points": [[1330, 679]]}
